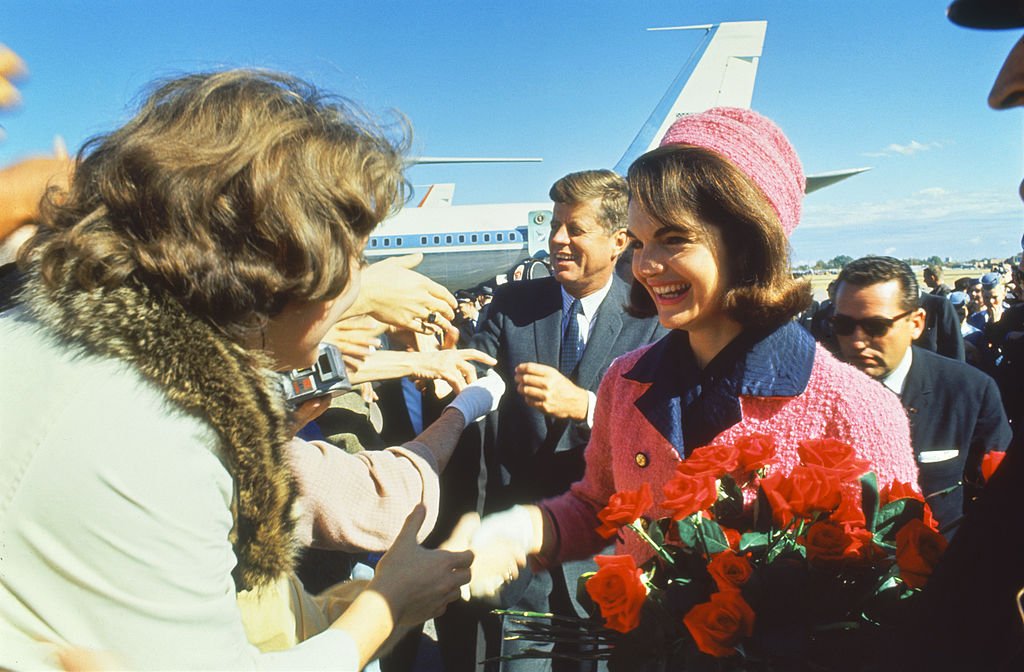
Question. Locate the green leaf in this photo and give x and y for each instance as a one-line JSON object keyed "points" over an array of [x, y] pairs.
{"points": [[714, 537], [895, 515], [687, 532], [729, 505], [869, 499], [753, 542], [656, 534]]}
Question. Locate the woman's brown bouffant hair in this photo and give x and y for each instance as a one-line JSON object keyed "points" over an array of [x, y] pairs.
{"points": [[232, 192], [691, 188]]}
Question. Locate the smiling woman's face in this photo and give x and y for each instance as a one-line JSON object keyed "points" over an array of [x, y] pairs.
{"points": [[682, 272]]}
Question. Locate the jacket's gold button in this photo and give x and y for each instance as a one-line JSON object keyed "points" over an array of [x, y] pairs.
{"points": [[641, 460]]}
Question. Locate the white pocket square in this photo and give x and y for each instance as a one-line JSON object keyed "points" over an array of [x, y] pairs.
{"points": [[930, 456]]}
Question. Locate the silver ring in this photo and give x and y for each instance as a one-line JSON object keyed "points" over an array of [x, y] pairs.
{"points": [[431, 318]]}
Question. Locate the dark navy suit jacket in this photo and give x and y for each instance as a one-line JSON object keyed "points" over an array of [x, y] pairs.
{"points": [[536, 456], [952, 406]]}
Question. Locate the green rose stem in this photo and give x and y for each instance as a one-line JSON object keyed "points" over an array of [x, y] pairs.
{"points": [[770, 553], [658, 548], [697, 518]]}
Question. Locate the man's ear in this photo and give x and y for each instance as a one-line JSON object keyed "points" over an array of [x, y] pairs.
{"points": [[620, 241], [917, 319]]}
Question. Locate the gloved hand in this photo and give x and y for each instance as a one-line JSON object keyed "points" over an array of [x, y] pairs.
{"points": [[500, 546], [480, 397]]}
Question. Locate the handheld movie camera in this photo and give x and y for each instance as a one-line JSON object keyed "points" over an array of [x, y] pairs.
{"points": [[326, 378]]}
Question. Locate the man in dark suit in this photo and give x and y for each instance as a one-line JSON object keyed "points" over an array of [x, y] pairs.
{"points": [[956, 414], [969, 616], [941, 332], [554, 338]]}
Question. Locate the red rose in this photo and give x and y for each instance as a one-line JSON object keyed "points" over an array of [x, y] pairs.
{"points": [[929, 518], [730, 571], [733, 537], [623, 508], [716, 460], [756, 451], [618, 590], [804, 492], [776, 488], [813, 489], [834, 455], [899, 490], [848, 513], [990, 463], [719, 625], [829, 544], [686, 495], [918, 550]]}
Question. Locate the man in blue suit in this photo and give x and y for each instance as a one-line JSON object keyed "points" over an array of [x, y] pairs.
{"points": [[554, 338], [956, 414]]}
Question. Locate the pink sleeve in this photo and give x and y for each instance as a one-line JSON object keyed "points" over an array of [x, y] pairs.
{"points": [[573, 515], [358, 502]]}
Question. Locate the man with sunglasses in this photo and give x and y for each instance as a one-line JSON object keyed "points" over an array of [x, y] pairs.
{"points": [[956, 414]]}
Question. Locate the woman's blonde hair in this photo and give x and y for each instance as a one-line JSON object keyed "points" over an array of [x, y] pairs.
{"points": [[691, 188], [232, 192]]}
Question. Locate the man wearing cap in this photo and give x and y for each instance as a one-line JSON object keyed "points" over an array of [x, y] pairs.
{"points": [[968, 617], [554, 338], [956, 415]]}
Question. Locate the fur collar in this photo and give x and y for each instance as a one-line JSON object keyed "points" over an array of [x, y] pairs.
{"points": [[204, 373]]}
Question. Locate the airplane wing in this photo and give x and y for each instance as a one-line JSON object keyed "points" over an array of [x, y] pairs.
{"points": [[822, 180], [425, 160]]}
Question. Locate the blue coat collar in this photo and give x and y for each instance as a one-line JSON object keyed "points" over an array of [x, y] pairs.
{"points": [[690, 407]]}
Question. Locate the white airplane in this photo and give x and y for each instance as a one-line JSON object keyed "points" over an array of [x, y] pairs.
{"points": [[467, 245]]}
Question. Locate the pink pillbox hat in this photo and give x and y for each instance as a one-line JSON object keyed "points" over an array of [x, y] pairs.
{"points": [[756, 146]]}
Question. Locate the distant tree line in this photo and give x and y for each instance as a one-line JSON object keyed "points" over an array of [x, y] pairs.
{"points": [[841, 260]]}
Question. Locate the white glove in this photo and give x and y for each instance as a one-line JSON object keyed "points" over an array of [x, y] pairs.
{"points": [[500, 546], [479, 397]]}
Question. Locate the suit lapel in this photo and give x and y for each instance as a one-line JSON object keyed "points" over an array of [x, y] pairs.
{"points": [[547, 329], [916, 389]]}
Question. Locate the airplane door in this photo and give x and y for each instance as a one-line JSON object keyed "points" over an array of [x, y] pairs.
{"points": [[538, 229]]}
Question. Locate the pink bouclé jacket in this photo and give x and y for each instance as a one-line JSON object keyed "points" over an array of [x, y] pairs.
{"points": [[655, 405]]}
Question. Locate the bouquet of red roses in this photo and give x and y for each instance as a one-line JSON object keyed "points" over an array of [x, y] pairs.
{"points": [[812, 571]]}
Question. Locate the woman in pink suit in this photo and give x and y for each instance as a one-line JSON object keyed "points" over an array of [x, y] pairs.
{"points": [[709, 216]]}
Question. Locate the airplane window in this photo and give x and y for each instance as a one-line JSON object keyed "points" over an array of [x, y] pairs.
{"points": [[437, 240], [399, 241], [423, 240], [511, 235], [448, 240], [462, 238], [487, 237], [472, 238], [501, 237], [373, 242]]}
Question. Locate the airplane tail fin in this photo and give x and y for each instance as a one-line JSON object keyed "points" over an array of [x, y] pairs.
{"points": [[721, 72], [438, 195]]}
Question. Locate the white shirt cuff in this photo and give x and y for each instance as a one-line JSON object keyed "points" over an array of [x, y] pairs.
{"points": [[591, 405]]}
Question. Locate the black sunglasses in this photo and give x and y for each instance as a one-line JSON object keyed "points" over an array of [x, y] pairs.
{"points": [[844, 325]]}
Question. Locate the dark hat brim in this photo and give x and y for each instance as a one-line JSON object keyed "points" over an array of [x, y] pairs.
{"points": [[987, 14]]}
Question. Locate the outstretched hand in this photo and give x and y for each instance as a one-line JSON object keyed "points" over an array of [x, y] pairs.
{"points": [[418, 584], [397, 295]]}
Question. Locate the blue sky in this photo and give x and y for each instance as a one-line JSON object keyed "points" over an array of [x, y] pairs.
{"points": [[885, 84]]}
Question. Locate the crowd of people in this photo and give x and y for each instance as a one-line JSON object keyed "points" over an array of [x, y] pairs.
{"points": [[165, 507]]}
